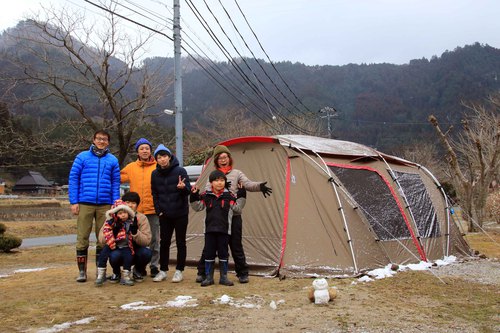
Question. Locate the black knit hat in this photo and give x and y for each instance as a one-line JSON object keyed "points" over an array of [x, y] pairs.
{"points": [[132, 197], [216, 174]]}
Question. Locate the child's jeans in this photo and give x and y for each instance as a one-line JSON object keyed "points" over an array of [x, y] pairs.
{"points": [[120, 257]]}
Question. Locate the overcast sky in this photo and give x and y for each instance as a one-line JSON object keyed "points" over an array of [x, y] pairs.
{"points": [[313, 32]]}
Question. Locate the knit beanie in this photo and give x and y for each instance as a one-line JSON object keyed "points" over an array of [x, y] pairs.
{"points": [[215, 175], [221, 149], [117, 206], [162, 148], [143, 141]]}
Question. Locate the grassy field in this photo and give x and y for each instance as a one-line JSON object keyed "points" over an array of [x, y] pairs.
{"points": [[39, 292], [32, 229]]}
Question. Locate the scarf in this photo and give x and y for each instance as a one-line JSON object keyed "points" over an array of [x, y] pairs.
{"points": [[99, 152], [226, 169]]}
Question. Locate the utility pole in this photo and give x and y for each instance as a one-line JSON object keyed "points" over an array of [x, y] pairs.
{"points": [[330, 113], [178, 84]]}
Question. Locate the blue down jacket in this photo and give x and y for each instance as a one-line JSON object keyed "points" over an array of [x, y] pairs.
{"points": [[94, 180]]}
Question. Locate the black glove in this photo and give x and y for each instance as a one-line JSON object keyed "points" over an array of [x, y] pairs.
{"points": [[228, 184], [242, 193], [134, 226], [266, 191], [195, 196], [116, 228]]}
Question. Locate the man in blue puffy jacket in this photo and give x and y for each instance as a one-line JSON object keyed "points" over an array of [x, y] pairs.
{"points": [[94, 184]]}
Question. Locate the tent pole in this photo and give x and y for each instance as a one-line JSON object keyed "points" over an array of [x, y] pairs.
{"points": [[326, 170], [407, 204]]}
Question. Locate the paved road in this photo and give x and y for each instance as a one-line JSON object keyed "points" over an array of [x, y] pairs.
{"points": [[55, 240]]}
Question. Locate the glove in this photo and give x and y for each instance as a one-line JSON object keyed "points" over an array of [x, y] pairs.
{"points": [[242, 193], [116, 228], [134, 226], [266, 191], [195, 196], [228, 184]]}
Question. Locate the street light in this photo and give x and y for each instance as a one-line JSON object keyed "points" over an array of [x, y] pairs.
{"points": [[169, 112]]}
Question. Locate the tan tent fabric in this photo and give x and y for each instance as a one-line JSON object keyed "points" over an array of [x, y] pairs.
{"points": [[337, 209]]}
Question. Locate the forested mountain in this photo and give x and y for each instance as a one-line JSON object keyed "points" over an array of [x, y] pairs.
{"points": [[380, 105]]}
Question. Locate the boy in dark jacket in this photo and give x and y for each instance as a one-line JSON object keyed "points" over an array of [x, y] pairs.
{"points": [[220, 205], [170, 187]]}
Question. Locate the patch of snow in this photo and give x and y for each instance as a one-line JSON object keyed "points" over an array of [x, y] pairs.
{"points": [[249, 302], [446, 261], [225, 299], [381, 273], [421, 266], [272, 305], [4, 276], [365, 278], [179, 302], [138, 306], [29, 270], [386, 271], [65, 326], [183, 301]]}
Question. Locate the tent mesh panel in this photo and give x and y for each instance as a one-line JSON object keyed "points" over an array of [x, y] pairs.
{"points": [[375, 199], [419, 203]]}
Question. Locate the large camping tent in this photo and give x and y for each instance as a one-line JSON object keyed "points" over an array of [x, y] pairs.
{"points": [[337, 209]]}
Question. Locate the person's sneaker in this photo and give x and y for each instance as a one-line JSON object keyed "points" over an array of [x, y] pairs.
{"points": [[114, 278], [137, 276], [200, 278], [243, 279], [161, 276], [177, 276], [154, 271]]}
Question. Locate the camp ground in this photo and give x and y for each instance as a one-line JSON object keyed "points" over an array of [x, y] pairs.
{"points": [[337, 209]]}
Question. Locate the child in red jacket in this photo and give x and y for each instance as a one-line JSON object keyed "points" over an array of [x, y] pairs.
{"points": [[120, 223]]}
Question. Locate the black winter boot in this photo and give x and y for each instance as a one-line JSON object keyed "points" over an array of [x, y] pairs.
{"points": [[97, 254], [81, 260], [223, 273], [209, 273]]}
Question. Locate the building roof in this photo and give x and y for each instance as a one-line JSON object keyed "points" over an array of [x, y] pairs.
{"points": [[33, 178]]}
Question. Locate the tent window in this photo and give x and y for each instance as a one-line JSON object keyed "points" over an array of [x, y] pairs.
{"points": [[420, 204], [375, 200]]}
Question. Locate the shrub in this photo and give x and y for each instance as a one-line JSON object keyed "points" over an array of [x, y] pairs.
{"points": [[493, 206], [8, 242]]}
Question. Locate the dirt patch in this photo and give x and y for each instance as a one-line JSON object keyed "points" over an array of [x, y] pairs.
{"points": [[412, 301]]}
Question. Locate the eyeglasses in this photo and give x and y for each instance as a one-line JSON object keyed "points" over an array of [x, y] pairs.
{"points": [[101, 139], [223, 157]]}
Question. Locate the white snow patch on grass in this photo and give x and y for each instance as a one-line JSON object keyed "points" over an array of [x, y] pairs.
{"points": [[30, 270], [179, 302], [249, 302], [65, 326]]}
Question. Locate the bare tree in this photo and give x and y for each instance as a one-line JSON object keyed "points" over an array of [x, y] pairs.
{"points": [[218, 125], [474, 156], [94, 68]]}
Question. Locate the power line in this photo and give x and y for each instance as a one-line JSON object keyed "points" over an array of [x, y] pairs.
{"points": [[214, 37], [257, 60]]}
